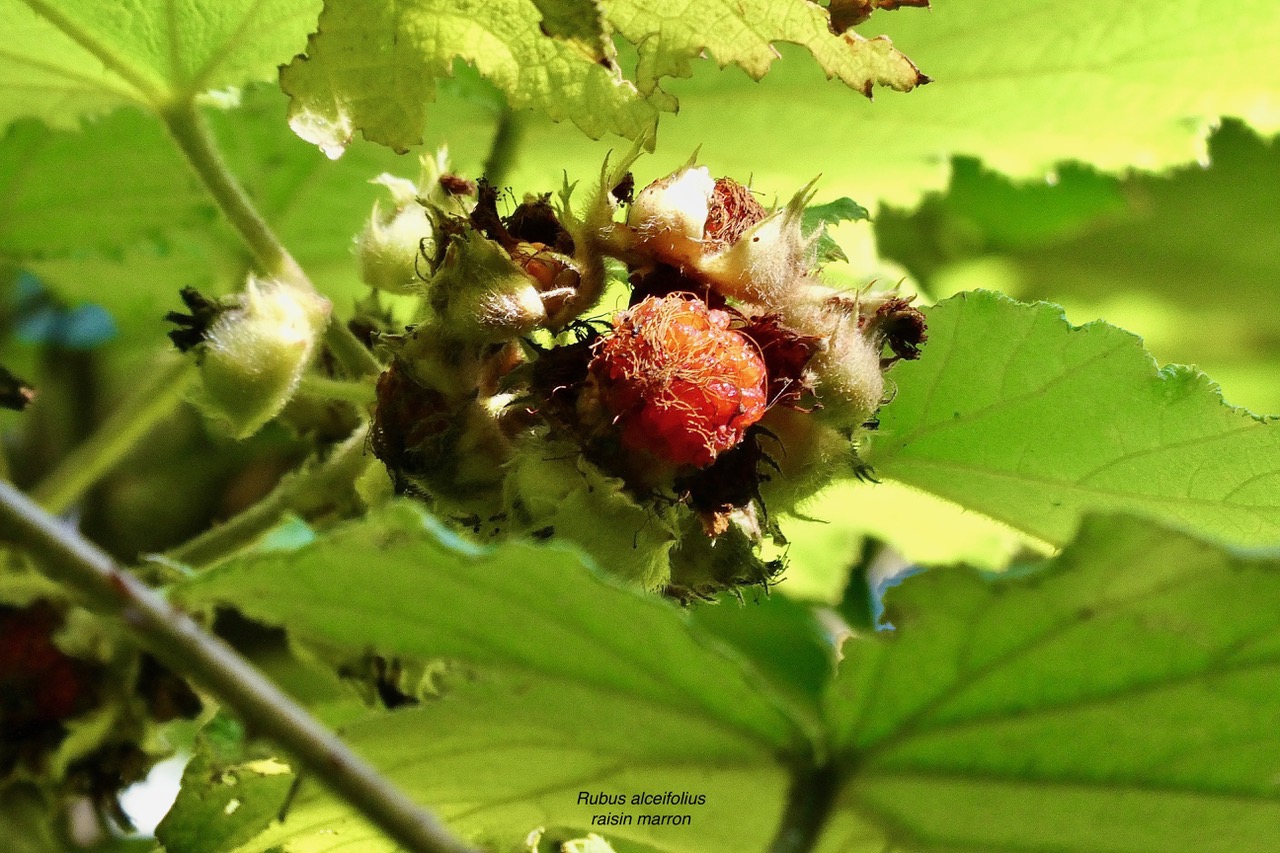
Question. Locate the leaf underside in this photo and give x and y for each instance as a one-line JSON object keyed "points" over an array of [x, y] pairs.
{"points": [[1121, 699], [64, 59], [1014, 413], [375, 70], [1022, 85], [562, 682]]}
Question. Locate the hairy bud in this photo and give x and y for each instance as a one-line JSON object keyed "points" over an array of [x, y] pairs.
{"points": [[481, 295], [253, 355]]}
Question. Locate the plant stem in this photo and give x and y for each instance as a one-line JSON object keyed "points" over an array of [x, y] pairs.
{"points": [[180, 643], [192, 135], [506, 141], [119, 433], [813, 792], [357, 393], [350, 353], [305, 492]]}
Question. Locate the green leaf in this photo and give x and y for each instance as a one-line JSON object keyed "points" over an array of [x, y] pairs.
{"points": [[1021, 85], [1120, 699], [67, 58], [27, 820], [499, 756], [1014, 413], [783, 638], [341, 85], [579, 685], [819, 216], [581, 22], [229, 793], [555, 57], [669, 34], [1191, 265], [81, 191]]}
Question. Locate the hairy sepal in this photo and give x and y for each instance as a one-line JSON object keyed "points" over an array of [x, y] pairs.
{"points": [[393, 240], [481, 295], [763, 265], [553, 491]]}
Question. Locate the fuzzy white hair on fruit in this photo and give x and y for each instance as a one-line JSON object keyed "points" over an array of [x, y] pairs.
{"points": [[763, 266], [273, 316], [670, 215], [481, 295], [389, 247], [254, 355], [850, 382]]}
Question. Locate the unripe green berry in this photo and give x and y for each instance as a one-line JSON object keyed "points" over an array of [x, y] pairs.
{"points": [[481, 295], [391, 245], [254, 355]]}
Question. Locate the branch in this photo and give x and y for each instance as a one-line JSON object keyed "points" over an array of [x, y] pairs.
{"points": [[173, 637], [813, 792], [191, 133]]}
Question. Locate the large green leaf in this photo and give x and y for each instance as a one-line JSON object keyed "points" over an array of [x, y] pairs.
{"points": [[1013, 412], [119, 181], [1021, 85], [1121, 699], [375, 68], [66, 58], [1192, 266], [572, 684], [496, 759]]}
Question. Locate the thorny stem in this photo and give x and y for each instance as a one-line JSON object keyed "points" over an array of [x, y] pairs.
{"points": [[302, 491], [149, 403], [813, 792], [191, 133], [179, 642]]}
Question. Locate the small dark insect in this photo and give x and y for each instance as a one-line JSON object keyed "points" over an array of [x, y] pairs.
{"points": [[625, 191]]}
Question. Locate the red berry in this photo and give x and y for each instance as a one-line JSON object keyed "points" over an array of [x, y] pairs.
{"points": [[678, 381]]}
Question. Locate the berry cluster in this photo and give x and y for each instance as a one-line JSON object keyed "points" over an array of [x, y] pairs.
{"points": [[666, 439]]}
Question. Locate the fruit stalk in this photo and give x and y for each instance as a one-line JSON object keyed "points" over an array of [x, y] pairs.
{"points": [[150, 403]]}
